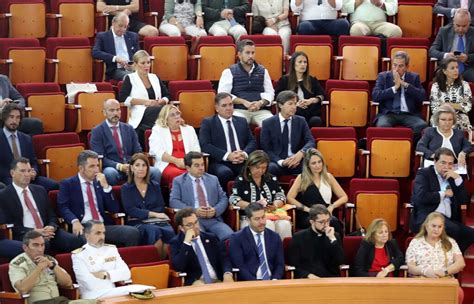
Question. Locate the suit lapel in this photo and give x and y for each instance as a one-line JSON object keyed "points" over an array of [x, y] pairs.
{"points": [[220, 133], [251, 240], [124, 138], [18, 205]]}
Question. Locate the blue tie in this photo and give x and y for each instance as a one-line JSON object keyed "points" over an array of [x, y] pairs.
{"points": [[202, 263], [261, 258], [284, 140], [460, 48]]}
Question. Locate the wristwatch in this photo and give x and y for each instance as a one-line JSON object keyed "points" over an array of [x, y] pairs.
{"points": [[52, 266]]}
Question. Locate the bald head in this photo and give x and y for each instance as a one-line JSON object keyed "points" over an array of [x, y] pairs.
{"points": [[461, 21], [112, 111]]}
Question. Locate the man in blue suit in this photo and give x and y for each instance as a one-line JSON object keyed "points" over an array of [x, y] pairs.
{"points": [[116, 142], [255, 250], [201, 191], [28, 207], [285, 137], [400, 96], [18, 144], [116, 48], [199, 254], [227, 139], [86, 196]]}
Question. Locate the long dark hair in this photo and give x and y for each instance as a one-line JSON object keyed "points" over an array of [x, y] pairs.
{"points": [[441, 78], [293, 80]]}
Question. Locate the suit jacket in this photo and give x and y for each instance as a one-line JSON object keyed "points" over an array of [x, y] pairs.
{"points": [[71, 203], [104, 48], [102, 142], [425, 198], [6, 156], [444, 43], [213, 141], [302, 254], [432, 140], [182, 194], [445, 6], [366, 253], [244, 254], [270, 136], [383, 93], [7, 90], [10, 206], [184, 259], [212, 10]]}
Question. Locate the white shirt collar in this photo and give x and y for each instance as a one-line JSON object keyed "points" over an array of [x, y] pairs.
{"points": [[82, 180], [111, 125], [115, 36], [282, 119], [255, 233], [224, 120], [18, 189], [8, 133]]}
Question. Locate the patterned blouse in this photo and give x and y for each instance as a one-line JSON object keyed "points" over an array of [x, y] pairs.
{"points": [[426, 256], [248, 191], [455, 95]]}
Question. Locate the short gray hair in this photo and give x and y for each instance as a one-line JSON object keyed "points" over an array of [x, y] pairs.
{"points": [[90, 224], [84, 155], [445, 108], [462, 12], [402, 55]]}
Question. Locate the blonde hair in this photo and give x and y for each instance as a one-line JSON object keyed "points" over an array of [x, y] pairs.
{"points": [[139, 55], [374, 226], [443, 109], [307, 175], [162, 119], [445, 243]]}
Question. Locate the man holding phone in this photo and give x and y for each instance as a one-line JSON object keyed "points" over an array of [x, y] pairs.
{"points": [[199, 254], [201, 191], [86, 196], [457, 40], [439, 188]]}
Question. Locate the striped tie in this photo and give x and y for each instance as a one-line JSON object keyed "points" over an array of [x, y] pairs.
{"points": [[261, 257]]}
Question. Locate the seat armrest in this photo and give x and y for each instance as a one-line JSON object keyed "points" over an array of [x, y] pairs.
{"points": [[403, 271], [344, 270]]}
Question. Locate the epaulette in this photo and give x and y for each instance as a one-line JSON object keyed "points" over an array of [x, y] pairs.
{"points": [[110, 245], [19, 261], [75, 251]]}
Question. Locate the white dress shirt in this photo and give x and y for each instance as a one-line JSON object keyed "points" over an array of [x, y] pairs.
{"points": [[87, 209], [28, 220], [262, 240], [227, 139], [8, 135], [444, 206], [120, 48], [210, 269], [403, 102], [282, 125]]}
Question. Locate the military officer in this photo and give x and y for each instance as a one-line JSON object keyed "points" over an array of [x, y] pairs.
{"points": [[98, 266], [35, 273]]}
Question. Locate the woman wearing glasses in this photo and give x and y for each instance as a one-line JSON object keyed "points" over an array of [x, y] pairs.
{"points": [[170, 140], [315, 185]]}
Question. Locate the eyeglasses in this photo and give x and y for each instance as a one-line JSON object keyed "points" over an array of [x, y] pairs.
{"points": [[191, 225], [323, 222]]}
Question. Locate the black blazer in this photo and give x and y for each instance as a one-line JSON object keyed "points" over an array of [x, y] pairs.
{"points": [[316, 87], [12, 210], [366, 253], [302, 255], [432, 140], [425, 198], [184, 259]]}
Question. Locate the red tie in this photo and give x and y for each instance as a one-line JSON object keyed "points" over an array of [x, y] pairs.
{"points": [[33, 211], [90, 198], [117, 142], [201, 196]]}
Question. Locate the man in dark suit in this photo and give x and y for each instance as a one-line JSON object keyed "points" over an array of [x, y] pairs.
{"points": [[201, 191], [15, 144], [439, 188], [450, 7], [227, 139], [87, 196], [8, 248], [27, 207], [116, 48], [286, 137], [255, 250], [317, 251], [457, 40], [400, 95], [116, 142], [199, 254]]}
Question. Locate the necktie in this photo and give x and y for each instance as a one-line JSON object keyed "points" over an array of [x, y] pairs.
{"points": [[117, 142], [15, 151], [202, 263], [231, 137], [460, 48], [90, 198], [261, 258], [285, 140], [200, 192], [32, 209]]}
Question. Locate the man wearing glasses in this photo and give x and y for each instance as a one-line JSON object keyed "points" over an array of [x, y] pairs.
{"points": [[201, 255], [317, 251]]}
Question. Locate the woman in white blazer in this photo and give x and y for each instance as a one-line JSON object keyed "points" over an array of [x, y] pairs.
{"points": [[144, 94], [170, 140]]}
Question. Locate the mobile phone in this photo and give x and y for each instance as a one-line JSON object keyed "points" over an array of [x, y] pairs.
{"points": [[457, 53]]}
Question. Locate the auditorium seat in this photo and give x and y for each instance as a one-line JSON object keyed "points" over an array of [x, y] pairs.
{"points": [[22, 59], [23, 18], [358, 58], [151, 275], [269, 53], [169, 57], [156, 10], [415, 18], [72, 18], [213, 54], [351, 245], [319, 50]]}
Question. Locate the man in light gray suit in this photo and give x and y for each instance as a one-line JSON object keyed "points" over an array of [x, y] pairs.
{"points": [[449, 8], [457, 40], [201, 191]]}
